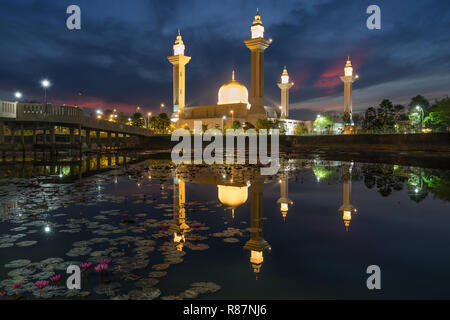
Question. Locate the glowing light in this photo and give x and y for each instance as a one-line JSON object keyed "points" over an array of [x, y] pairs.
{"points": [[257, 29], [284, 207], [233, 92], [256, 257], [45, 83], [178, 47], [18, 95], [47, 229]]}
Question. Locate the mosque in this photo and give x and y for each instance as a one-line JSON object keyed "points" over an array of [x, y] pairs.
{"points": [[234, 103]]}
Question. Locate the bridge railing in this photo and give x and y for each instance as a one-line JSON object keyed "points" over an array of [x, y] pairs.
{"points": [[69, 115], [48, 113], [8, 109]]}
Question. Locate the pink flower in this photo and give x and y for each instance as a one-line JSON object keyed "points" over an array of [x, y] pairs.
{"points": [[41, 284], [55, 278], [17, 285], [2, 294], [86, 265], [101, 267], [106, 261]]}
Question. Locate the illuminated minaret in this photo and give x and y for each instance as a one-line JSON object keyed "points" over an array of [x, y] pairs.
{"points": [[179, 226], [348, 80], [257, 44], [284, 200], [256, 245], [179, 61], [347, 208], [285, 85]]}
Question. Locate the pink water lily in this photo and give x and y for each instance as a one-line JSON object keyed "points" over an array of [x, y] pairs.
{"points": [[41, 285], [106, 261], [86, 265], [17, 285], [101, 267], [56, 278], [2, 294]]}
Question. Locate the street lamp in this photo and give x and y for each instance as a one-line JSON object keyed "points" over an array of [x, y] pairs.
{"points": [[232, 118], [45, 84], [422, 116], [162, 107], [223, 119], [18, 95]]}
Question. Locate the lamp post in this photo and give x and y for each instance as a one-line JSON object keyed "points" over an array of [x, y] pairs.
{"points": [[162, 107], [45, 84], [223, 120], [232, 118], [422, 115]]}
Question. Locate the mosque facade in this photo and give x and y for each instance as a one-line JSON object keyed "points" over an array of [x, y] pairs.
{"points": [[234, 102]]}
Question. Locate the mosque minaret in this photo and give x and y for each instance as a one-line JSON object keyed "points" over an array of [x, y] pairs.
{"points": [[347, 207], [348, 79], [284, 200], [179, 226], [234, 103], [257, 44], [179, 61], [285, 85], [256, 244]]}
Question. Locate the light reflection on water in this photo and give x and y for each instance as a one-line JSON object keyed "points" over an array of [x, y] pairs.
{"points": [[308, 232]]}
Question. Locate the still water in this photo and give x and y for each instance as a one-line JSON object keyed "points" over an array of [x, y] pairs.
{"points": [[223, 232]]}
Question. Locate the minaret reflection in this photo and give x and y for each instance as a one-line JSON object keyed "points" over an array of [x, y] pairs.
{"points": [[179, 226], [347, 208], [284, 200], [257, 245]]}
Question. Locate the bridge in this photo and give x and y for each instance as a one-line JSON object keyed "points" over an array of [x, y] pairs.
{"points": [[34, 125]]}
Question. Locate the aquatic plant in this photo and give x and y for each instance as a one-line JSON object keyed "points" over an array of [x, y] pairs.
{"points": [[55, 279], [17, 286], [86, 265], [41, 285]]}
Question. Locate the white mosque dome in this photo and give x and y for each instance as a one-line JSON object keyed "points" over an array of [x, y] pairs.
{"points": [[231, 196], [233, 92]]}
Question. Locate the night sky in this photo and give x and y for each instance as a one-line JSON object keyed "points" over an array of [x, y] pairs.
{"points": [[119, 57]]}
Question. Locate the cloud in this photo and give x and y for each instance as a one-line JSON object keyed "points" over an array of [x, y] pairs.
{"points": [[119, 56]]}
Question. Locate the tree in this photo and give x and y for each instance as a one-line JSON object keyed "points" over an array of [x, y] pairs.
{"points": [[421, 102], [370, 122], [358, 119], [386, 115], [300, 129], [137, 120], [236, 125], [164, 122], [264, 124], [439, 117], [323, 123]]}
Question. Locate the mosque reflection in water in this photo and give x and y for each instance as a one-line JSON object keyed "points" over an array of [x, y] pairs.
{"points": [[235, 185]]}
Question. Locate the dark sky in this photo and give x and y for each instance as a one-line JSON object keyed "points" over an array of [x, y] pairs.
{"points": [[119, 57]]}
